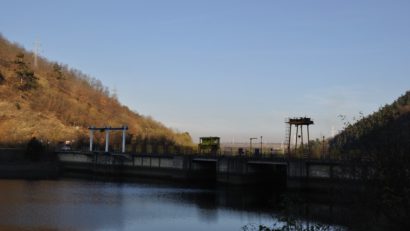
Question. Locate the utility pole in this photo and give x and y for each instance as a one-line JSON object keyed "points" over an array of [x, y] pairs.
{"points": [[36, 51], [261, 146], [323, 147]]}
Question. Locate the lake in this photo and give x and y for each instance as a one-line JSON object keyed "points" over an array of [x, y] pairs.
{"points": [[68, 204]]}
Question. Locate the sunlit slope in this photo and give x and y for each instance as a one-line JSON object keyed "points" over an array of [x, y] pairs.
{"points": [[56, 103]]}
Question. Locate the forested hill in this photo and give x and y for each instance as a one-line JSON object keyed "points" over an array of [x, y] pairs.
{"points": [[54, 102], [381, 142], [384, 131]]}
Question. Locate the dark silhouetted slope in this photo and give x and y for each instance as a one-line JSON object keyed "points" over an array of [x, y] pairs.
{"points": [[385, 129]]}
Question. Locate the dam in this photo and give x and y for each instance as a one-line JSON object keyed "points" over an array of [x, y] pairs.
{"points": [[236, 170]]}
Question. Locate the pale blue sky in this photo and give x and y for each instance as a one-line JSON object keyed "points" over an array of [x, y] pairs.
{"points": [[234, 69]]}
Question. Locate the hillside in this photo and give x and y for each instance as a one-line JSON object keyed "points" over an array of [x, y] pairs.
{"points": [[56, 103], [381, 142], [385, 129]]}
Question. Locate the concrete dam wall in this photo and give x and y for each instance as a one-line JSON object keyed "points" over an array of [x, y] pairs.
{"points": [[228, 170]]}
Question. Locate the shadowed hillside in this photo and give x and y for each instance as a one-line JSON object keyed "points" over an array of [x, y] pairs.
{"points": [[385, 129], [56, 103], [382, 142]]}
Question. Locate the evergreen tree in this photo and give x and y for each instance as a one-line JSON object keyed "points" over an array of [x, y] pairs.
{"points": [[26, 80], [57, 71], [2, 79]]}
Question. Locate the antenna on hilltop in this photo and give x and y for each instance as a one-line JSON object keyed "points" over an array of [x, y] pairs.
{"points": [[114, 94], [36, 51]]}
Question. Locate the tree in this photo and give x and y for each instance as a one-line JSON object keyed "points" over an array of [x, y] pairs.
{"points": [[57, 71], [25, 77], [2, 79], [381, 142], [34, 149]]}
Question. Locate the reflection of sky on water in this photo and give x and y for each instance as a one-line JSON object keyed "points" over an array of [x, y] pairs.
{"points": [[84, 205]]}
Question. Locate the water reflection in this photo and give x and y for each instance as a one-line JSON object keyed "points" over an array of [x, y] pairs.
{"points": [[60, 205], [88, 205]]}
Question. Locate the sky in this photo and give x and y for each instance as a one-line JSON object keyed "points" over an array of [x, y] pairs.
{"points": [[229, 68]]}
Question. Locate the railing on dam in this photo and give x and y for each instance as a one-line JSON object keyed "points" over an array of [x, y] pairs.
{"points": [[129, 156]]}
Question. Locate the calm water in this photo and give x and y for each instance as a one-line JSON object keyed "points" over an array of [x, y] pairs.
{"points": [[89, 205]]}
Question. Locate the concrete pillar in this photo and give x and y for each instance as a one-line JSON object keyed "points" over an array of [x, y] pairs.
{"points": [[296, 142], [107, 138], [290, 138], [91, 139], [123, 138], [308, 138]]}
